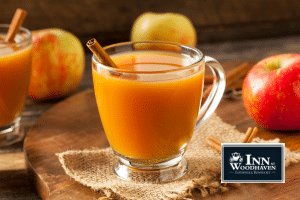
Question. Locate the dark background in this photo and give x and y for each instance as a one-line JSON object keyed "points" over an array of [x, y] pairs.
{"points": [[110, 21]]}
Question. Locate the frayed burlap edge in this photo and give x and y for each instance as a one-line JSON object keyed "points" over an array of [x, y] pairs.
{"points": [[204, 182]]}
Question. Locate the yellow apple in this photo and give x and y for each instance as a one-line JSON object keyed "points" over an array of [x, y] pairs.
{"points": [[172, 27], [57, 64]]}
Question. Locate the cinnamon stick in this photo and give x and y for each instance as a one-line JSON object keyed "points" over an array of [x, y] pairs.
{"points": [[216, 144], [248, 133], [236, 85], [215, 140], [15, 25], [209, 79], [213, 145], [231, 78], [254, 132], [237, 73], [99, 52]]}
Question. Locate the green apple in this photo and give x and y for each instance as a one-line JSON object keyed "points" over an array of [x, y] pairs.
{"points": [[172, 27]]}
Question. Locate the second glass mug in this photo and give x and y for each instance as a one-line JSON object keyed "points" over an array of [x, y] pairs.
{"points": [[15, 69], [151, 105]]}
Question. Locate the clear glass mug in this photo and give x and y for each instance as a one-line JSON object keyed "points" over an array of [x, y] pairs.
{"points": [[15, 69], [150, 105]]}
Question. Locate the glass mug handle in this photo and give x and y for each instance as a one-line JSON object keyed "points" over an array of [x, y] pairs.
{"points": [[216, 93]]}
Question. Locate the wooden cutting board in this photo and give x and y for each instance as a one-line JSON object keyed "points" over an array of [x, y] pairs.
{"points": [[75, 124]]}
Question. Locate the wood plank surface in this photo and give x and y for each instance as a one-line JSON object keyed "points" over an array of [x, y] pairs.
{"points": [[75, 124], [14, 182], [111, 21]]}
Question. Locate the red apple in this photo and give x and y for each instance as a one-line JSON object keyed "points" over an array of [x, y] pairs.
{"points": [[172, 27], [271, 92], [57, 64]]}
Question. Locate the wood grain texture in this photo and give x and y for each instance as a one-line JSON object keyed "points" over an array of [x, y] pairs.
{"points": [[54, 132], [111, 21], [16, 164], [75, 124], [14, 183]]}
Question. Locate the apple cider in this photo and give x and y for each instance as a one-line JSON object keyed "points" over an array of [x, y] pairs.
{"points": [[148, 119], [15, 66]]}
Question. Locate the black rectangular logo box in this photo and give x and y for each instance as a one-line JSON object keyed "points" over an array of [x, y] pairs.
{"points": [[253, 163]]}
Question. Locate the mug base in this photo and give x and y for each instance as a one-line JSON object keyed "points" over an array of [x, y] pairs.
{"points": [[147, 175], [11, 134]]}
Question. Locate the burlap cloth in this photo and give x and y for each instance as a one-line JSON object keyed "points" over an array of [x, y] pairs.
{"points": [[93, 168]]}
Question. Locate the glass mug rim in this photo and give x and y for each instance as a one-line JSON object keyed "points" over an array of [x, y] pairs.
{"points": [[26, 39], [197, 63], [18, 57], [132, 163]]}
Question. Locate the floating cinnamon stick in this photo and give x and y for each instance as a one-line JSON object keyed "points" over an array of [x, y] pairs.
{"points": [[231, 78], [99, 52], [15, 25]]}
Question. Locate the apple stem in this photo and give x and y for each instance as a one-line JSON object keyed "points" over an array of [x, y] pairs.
{"points": [[99, 52], [15, 25]]}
